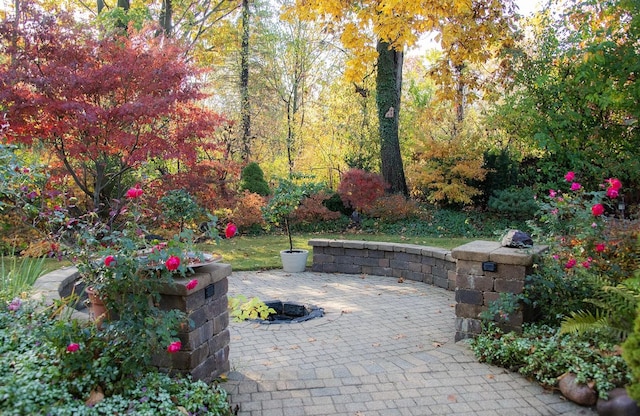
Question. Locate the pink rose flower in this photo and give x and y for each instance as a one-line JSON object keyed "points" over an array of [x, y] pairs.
{"points": [[600, 247], [552, 193], [109, 261], [172, 263], [570, 264], [230, 230], [597, 210], [174, 347], [192, 283], [586, 264], [570, 176], [134, 193], [73, 347], [614, 183], [612, 193], [575, 186]]}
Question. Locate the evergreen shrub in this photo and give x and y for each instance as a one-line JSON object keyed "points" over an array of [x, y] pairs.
{"points": [[515, 202], [252, 180]]}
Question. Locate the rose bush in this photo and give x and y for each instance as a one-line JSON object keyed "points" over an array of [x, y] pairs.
{"points": [[127, 267], [587, 247]]}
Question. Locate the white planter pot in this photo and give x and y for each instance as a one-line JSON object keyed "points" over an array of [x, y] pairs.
{"points": [[294, 261]]}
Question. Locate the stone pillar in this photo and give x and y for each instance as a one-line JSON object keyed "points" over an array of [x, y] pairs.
{"points": [[484, 270], [205, 346]]}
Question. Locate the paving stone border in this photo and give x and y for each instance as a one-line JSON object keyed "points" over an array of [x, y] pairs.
{"points": [[478, 272]]}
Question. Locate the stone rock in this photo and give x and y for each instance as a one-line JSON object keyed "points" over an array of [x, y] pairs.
{"points": [[618, 404], [576, 392], [517, 239]]}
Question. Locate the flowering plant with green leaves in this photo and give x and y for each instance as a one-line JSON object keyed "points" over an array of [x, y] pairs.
{"points": [[127, 267], [574, 222], [589, 249], [122, 263]]}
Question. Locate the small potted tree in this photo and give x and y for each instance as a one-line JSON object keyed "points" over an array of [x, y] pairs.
{"points": [[285, 200]]}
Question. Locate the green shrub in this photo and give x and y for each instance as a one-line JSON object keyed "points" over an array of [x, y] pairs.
{"points": [[252, 180], [179, 207], [502, 173], [550, 293], [631, 354], [334, 203], [515, 202]]}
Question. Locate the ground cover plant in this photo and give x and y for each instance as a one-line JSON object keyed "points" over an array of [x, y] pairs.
{"points": [[45, 369]]}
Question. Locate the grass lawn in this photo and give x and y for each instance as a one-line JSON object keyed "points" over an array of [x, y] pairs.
{"points": [[263, 252]]}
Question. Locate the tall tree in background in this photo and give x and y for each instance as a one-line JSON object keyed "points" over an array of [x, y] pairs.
{"points": [[395, 25], [245, 107], [388, 91]]}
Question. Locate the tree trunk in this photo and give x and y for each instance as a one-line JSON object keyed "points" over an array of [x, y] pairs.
{"points": [[245, 109], [166, 17], [389, 86]]}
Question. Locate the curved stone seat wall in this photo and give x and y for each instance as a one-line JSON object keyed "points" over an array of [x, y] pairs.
{"points": [[431, 265], [478, 272]]}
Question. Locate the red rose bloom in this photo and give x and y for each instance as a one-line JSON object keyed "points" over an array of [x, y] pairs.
{"points": [[172, 263], [612, 193], [570, 264], [230, 230], [73, 347], [614, 183], [192, 283], [174, 347], [134, 193], [597, 210], [109, 261]]}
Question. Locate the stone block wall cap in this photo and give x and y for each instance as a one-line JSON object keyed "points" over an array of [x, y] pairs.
{"points": [[319, 242], [354, 244], [475, 250], [516, 256], [371, 245], [205, 276], [414, 249], [385, 246]]}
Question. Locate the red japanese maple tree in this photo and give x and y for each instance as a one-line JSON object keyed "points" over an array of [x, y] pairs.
{"points": [[104, 105]]}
